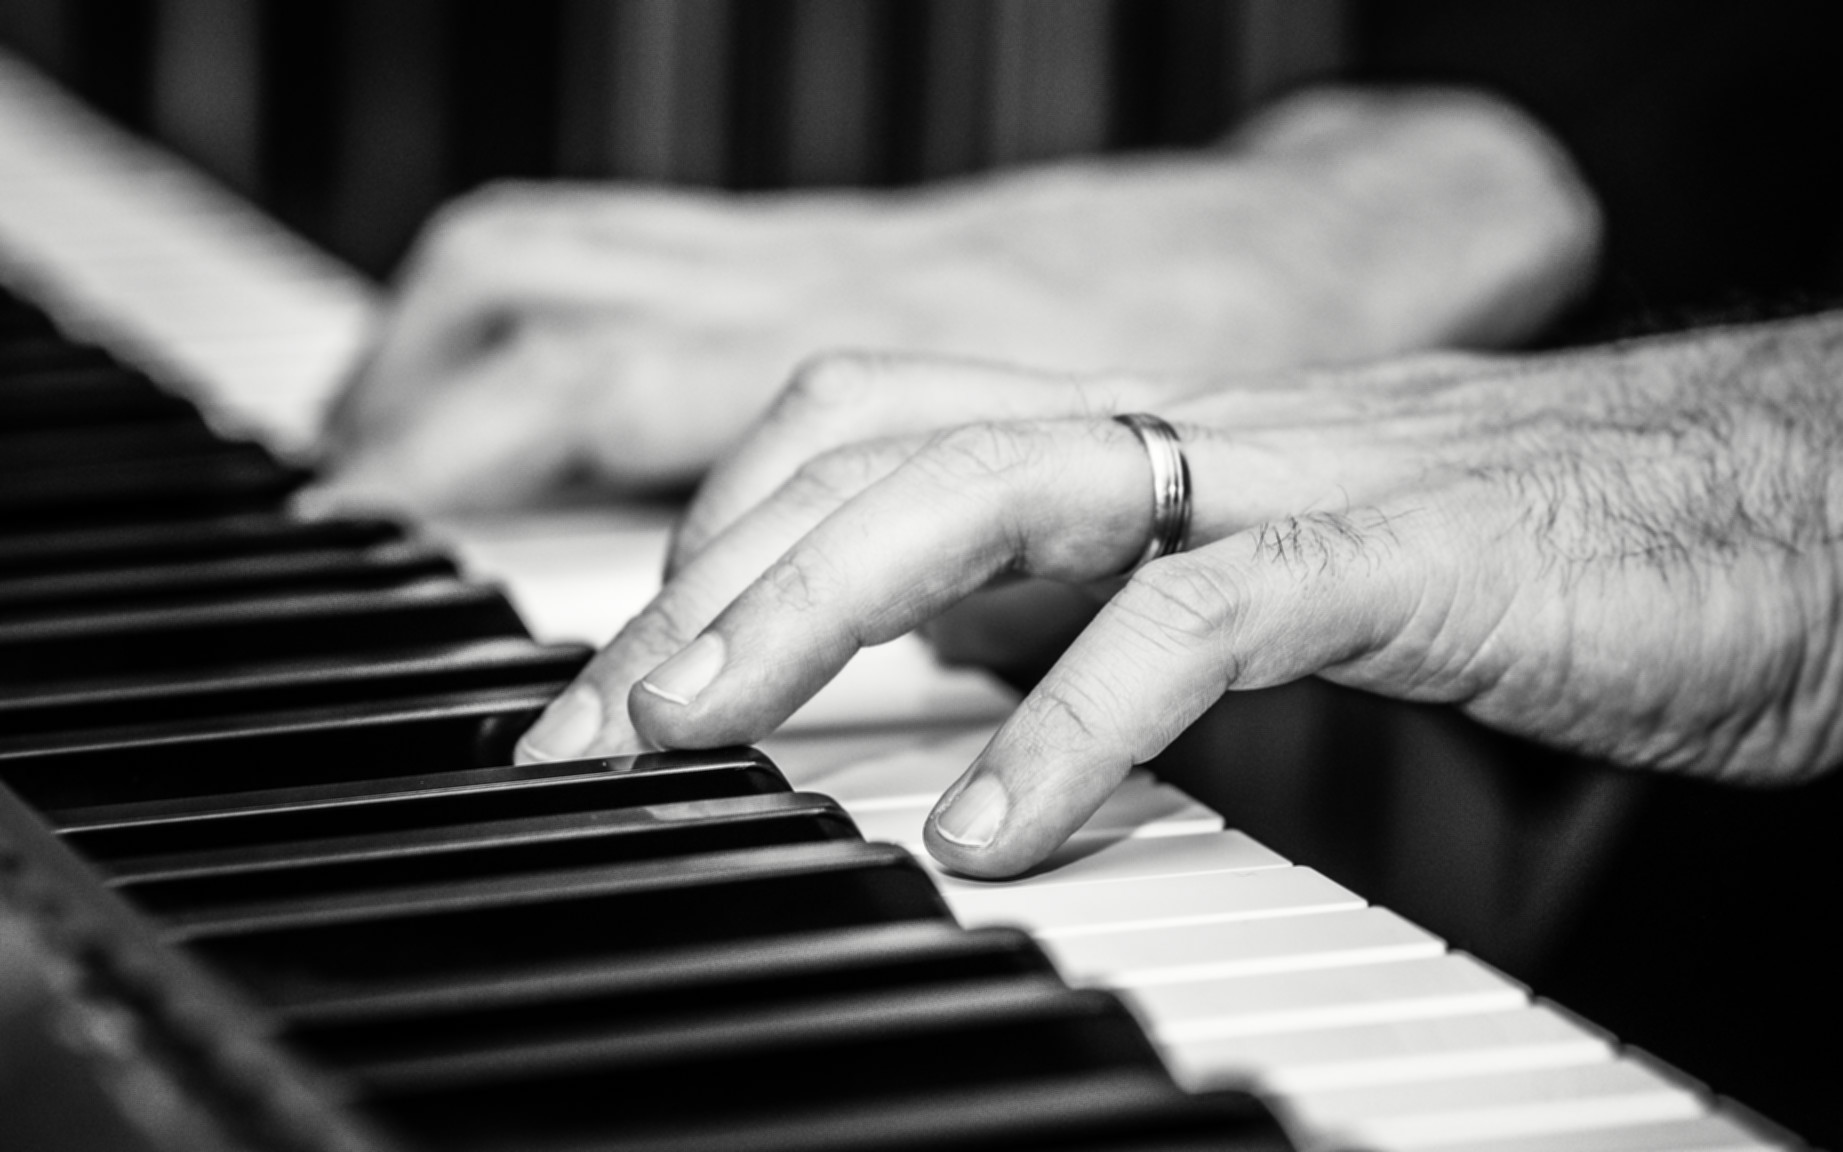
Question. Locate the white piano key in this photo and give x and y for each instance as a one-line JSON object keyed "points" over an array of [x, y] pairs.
{"points": [[1142, 808], [1391, 1052], [916, 771], [1451, 985], [1062, 910], [1711, 1133], [1468, 1109], [1200, 952], [137, 249], [1098, 861]]}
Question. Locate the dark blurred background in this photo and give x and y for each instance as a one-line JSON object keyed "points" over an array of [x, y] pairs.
{"points": [[1708, 130], [1688, 919], [352, 119]]}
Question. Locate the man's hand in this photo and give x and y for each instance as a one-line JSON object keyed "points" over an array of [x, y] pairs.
{"points": [[1630, 552], [634, 335]]}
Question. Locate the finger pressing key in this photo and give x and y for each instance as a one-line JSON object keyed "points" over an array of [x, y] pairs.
{"points": [[1182, 632], [592, 717], [1063, 499]]}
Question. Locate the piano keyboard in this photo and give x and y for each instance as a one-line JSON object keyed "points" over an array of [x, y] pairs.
{"points": [[260, 762]]}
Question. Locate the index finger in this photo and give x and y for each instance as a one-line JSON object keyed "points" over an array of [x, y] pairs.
{"points": [[1062, 499], [836, 399]]}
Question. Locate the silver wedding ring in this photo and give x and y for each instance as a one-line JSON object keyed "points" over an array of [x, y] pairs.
{"points": [[1170, 485]]}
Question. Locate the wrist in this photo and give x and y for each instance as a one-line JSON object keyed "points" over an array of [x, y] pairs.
{"points": [[1441, 217]]}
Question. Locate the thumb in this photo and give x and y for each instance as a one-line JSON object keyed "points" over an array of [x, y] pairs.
{"points": [[497, 434]]}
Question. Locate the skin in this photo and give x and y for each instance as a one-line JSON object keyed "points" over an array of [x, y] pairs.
{"points": [[1631, 552], [638, 336], [632, 336]]}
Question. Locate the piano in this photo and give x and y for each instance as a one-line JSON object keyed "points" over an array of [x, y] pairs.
{"points": [[267, 878]]}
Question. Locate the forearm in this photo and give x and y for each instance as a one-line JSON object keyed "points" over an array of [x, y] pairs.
{"points": [[1429, 217], [1339, 225]]}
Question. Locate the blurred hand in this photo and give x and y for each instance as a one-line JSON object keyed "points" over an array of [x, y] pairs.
{"points": [[634, 335], [1630, 552]]}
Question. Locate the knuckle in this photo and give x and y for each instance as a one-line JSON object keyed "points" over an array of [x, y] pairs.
{"points": [[831, 381], [1071, 710], [834, 476], [988, 450], [1181, 601], [800, 581]]}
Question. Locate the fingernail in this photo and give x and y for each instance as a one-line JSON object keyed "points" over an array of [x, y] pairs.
{"points": [[567, 727], [315, 503], [681, 678], [326, 500], [972, 820]]}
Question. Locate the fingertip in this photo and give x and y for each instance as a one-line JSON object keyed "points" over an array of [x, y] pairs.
{"points": [[976, 830], [697, 700], [334, 496], [317, 501], [972, 817], [572, 724]]}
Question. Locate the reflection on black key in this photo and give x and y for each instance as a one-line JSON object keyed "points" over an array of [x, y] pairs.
{"points": [[85, 394], [223, 699], [729, 1072], [402, 803], [26, 359], [448, 733], [395, 1023], [245, 479], [1117, 1110], [196, 581], [662, 984], [620, 910], [161, 439], [124, 641], [172, 541], [196, 880]]}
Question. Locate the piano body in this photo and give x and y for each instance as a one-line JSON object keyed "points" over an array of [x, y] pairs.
{"points": [[266, 881]]}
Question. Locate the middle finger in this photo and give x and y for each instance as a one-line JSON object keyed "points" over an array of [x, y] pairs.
{"points": [[1060, 499]]}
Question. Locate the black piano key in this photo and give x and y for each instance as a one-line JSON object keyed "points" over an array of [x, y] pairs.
{"points": [[797, 1048], [1129, 1110], [26, 357], [678, 989], [150, 1018], [419, 1012], [221, 699], [404, 803], [513, 924], [731, 1071], [376, 566], [83, 395], [195, 880], [68, 550], [91, 458], [161, 439], [452, 732], [20, 319], [606, 913], [244, 479], [124, 641]]}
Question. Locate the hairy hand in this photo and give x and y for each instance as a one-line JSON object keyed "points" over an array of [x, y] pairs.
{"points": [[635, 334], [1629, 552]]}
